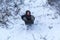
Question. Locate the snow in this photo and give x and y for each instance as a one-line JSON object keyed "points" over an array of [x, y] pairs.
{"points": [[46, 26]]}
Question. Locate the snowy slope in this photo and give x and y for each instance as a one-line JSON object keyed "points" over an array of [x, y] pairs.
{"points": [[46, 26]]}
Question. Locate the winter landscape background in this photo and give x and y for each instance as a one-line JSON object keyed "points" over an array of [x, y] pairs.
{"points": [[46, 25]]}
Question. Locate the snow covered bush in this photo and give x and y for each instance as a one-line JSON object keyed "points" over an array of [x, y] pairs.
{"points": [[9, 8]]}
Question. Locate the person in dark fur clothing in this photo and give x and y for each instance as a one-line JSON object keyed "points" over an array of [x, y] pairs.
{"points": [[28, 18]]}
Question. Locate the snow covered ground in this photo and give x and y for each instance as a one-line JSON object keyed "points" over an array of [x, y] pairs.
{"points": [[46, 26]]}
